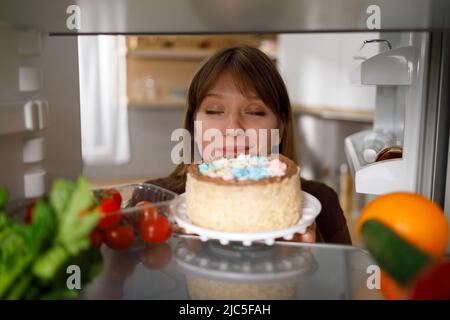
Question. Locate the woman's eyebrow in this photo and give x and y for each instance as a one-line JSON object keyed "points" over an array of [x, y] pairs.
{"points": [[214, 95], [218, 95]]}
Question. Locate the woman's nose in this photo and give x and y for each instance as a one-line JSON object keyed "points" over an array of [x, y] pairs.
{"points": [[234, 123]]}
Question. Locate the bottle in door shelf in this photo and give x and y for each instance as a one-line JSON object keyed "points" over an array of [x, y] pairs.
{"points": [[379, 146]]}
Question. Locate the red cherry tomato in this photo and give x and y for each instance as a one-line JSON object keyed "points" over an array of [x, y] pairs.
{"points": [[134, 218], [148, 213], [109, 220], [110, 215], [110, 200], [96, 237], [156, 256], [433, 283], [131, 220], [156, 229], [29, 212], [120, 238]]}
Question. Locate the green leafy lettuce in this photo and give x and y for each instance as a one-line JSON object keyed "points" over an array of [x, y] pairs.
{"points": [[34, 257]]}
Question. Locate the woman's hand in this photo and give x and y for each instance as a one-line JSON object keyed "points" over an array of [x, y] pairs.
{"points": [[309, 236]]}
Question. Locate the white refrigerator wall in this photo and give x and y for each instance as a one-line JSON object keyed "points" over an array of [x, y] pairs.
{"points": [[39, 111], [316, 68]]}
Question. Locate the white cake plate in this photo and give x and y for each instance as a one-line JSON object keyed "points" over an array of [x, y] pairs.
{"points": [[311, 208]]}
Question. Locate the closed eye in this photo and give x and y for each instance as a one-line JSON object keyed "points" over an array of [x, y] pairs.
{"points": [[257, 113], [213, 112]]}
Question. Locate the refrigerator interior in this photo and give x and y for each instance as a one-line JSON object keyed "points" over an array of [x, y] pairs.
{"points": [[40, 119]]}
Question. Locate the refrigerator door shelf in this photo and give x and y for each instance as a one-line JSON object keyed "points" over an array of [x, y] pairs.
{"points": [[378, 177], [389, 68], [34, 150], [23, 116], [34, 182]]}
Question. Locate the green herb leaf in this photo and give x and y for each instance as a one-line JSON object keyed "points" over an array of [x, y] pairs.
{"points": [[60, 195], [49, 263], [3, 197], [75, 227], [16, 254], [43, 223]]}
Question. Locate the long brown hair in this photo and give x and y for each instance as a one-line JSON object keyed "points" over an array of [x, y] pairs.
{"points": [[251, 70]]}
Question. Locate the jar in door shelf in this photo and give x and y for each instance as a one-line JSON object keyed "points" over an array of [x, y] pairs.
{"points": [[393, 152], [379, 146]]}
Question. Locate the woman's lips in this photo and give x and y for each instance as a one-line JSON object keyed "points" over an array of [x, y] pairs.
{"points": [[235, 149]]}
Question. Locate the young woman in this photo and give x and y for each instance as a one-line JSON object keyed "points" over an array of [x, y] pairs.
{"points": [[240, 88]]}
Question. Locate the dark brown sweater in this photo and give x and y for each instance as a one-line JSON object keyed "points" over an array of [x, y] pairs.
{"points": [[331, 223]]}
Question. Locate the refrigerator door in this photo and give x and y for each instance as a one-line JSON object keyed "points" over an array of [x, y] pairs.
{"points": [[434, 144], [436, 159], [40, 134]]}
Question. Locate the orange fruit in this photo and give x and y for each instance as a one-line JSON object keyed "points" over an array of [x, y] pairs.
{"points": [[412, 217], [390, 289]]}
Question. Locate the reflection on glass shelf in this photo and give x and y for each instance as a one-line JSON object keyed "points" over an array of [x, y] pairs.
{"points": [[233, 271], [187, 268]]}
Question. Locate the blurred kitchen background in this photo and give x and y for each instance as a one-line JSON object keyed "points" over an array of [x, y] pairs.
{"points": [[133, 95]]}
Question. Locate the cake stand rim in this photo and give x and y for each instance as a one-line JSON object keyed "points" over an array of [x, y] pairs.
{"points": [[311, 209]]}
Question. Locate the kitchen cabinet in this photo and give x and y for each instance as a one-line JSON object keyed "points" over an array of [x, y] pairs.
{"points": [[159, 68]]}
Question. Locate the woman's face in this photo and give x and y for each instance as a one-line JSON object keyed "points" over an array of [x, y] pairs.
{"points": [[232, 113]]}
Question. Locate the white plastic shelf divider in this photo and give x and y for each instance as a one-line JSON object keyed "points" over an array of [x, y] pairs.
{"points": [[393, 67]]}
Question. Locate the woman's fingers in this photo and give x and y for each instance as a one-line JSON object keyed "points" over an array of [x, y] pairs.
{"points": [[308, 236]]}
